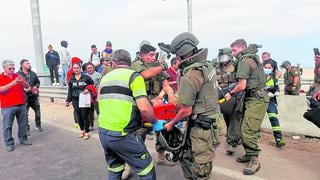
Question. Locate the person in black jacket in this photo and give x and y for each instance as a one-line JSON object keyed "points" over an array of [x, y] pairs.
{"points": [[80, 83], [32, 93], [53, 62]]}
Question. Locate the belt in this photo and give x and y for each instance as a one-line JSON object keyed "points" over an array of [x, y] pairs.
{"points": [[250, 93]]}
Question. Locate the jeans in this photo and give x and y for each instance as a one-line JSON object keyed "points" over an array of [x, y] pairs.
{"points": [[94, 107], [9, 113], [64, 71]]}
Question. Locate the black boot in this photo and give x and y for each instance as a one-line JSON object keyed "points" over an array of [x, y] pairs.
{"points": [[243, 159]]}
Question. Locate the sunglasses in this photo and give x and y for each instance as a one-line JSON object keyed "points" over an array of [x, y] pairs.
{"points": [[10, 69]]}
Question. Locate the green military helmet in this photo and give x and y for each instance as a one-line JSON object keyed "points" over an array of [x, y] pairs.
{"points": [[184, 43], [144, 42], [285, 64], [224, 55]]}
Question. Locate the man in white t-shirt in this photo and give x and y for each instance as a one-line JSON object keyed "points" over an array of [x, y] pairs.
{"points": [[95, 56]]}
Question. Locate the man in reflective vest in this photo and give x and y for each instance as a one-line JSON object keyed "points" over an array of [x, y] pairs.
{"points": [[122, 97]]}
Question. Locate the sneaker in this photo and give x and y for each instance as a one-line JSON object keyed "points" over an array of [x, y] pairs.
{"points": [[243, 159], [230, 149], [53, 84], [26, 143], [10, 148], [39, 129], [57, 84], [280, 143], [76, 125]]}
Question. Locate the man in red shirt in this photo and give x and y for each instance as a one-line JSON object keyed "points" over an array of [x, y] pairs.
{"points": [[173, 72], [12, 103]]}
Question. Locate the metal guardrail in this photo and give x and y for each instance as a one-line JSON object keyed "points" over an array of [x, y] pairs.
{"points": [[53, 92], [61, 92], [303, 81]]}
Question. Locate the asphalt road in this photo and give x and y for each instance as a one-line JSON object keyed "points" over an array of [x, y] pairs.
{"points": [[57, 153]]}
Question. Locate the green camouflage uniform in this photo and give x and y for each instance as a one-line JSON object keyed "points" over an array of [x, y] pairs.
{"points": [[197, 89], [231, 113], [153, 88], [289, 81], [256, 100], [154, 84]]}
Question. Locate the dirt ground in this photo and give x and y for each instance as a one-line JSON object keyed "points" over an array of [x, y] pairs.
{"points": [[307, 144]]}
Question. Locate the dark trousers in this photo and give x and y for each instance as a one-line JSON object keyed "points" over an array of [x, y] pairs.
{"points": [[9, 114], [33, 102], [53, 69], [233, 123], [75, 116], [83, 116], [273, 117], [128, 149], [94, 107]]}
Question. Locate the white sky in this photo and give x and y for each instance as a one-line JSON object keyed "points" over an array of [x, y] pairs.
{"points": [[289, 29]]}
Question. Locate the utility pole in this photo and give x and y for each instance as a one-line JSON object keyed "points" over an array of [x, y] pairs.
{"points": [[37, 36], [189, 2]]}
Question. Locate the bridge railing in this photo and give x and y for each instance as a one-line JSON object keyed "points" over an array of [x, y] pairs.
{"points": [[46, 90]]}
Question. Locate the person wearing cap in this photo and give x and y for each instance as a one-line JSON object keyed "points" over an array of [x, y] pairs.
{"points": [[107, 51], [291, 79], [232, 110], [251, 80], [197, 98], [65, 58], [53, 63], [156, 79], [124, 89]]}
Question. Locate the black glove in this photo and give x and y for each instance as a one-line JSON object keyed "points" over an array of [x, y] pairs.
{"points": [[164, 66]]}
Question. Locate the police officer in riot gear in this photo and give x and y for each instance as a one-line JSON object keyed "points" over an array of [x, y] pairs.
{"points": [[197, 98], [232, 110]]}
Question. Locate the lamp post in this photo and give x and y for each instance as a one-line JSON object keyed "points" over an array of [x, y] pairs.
{"points": [[37, 36], [189, 5], [189, 2]]}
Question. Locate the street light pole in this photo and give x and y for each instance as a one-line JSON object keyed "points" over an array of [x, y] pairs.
{"points": [[189, 2], [37, 36]]}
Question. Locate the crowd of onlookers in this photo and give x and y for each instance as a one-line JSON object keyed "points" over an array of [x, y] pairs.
{"points": [[84, 77]]}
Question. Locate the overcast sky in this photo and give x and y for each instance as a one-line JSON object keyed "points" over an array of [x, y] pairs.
{"points": [[289, 29]]}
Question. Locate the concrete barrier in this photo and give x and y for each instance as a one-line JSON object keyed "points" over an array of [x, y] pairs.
{"points": [[291, 110]]}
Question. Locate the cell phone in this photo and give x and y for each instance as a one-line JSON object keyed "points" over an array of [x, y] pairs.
{"points": [[316, 51]]}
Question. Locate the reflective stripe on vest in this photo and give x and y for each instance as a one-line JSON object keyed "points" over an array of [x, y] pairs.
{"points": [[118, 110], [270, 82]]}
